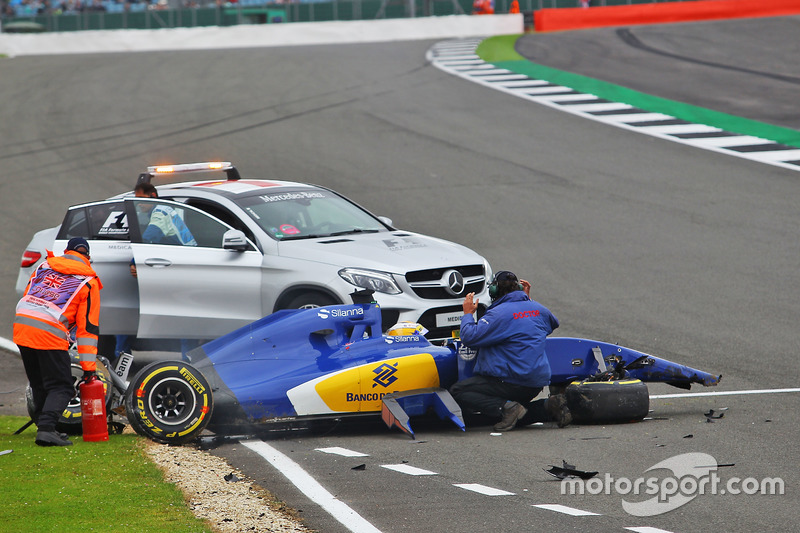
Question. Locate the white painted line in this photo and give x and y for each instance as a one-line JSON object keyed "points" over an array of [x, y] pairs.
{"points": [[482, 73], [342, 451], [474, 66], [775, 155], [523, 83], [483, 489], [455, 57], [632, 118], [466, 45], [410, 470], [567, 97], [471, 63], [503, 77], [8, 345], [720, 393], [540, 90], [646, 529], [734, 140], [602, 106], [444, 58], [311, 488], [680, 128], [564, 509], [463, 50]]}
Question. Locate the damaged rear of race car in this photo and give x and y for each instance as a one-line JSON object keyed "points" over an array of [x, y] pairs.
{"points": [[606, 383], [335, 361]]}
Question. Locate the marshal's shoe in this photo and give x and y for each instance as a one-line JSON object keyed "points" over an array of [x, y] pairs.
{"points": [[512, 412], [52, 438], [558, 409]]}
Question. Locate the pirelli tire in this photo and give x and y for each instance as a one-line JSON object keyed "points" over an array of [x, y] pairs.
{"points": [[169, 402], [70, 420], [608, 402]]}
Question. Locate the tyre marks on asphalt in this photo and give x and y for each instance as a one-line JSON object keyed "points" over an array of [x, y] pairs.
{"points": [[457, 57], [358, 524]]}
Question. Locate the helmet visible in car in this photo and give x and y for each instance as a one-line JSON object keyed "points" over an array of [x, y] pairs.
{"points": [[406, 328]]}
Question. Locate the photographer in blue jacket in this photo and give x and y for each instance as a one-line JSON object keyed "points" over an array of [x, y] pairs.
{"points": [[511, 367]]}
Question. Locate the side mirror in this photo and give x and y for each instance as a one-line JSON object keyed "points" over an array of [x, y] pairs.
{"points": [[386, 220], [233, 239]]}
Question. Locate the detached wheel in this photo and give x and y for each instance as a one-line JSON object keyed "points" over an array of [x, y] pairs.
{"points": [[70, 420], [608, 402], [169, 402]]}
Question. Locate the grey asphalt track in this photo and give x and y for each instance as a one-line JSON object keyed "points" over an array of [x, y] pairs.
{"points": [[675, 251]]}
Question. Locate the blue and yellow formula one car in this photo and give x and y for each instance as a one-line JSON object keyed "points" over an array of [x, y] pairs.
{"points": [[335, 361]]}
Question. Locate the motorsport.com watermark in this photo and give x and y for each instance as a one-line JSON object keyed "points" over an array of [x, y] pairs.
{"points": [[693, 474]]}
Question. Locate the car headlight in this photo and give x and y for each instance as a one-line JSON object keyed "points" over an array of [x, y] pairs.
{"points": [[370, 279]]}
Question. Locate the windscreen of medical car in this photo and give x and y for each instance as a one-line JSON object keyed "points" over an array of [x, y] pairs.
{"points": [[308, 213]]}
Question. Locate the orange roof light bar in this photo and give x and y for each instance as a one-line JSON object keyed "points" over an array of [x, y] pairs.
{"points": [[226, 166], [190, 167]]}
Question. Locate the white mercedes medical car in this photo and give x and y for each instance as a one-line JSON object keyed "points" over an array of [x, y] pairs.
{"points": [[258, 246]]}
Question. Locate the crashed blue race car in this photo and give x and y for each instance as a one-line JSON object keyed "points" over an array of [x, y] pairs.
{"points": [[335, 361]]}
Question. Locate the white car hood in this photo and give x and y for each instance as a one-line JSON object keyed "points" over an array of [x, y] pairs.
{"points": [[396, 251]]}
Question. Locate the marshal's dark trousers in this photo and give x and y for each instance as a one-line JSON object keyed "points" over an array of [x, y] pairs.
{"points": [[51, 382], [485, 396]]}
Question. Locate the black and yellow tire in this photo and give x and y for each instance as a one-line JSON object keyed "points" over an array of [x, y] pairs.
{"points": [[169, 402], [70, 420], [608, 402]]}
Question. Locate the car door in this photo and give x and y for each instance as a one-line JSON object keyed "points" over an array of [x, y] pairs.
{"points": [[105, 226], [190, 286]]}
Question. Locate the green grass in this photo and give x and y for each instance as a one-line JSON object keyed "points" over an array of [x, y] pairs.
{"points": [[499, 48], [90, 486]]}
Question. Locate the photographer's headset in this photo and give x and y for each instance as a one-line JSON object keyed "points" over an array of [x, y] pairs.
{"points": [[503, 275]]}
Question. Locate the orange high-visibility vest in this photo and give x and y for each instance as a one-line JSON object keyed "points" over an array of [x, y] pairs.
{"points": [[514, 7], [62, 298]]}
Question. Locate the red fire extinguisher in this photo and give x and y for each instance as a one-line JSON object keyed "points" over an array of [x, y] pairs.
{"points": [[93, 410]]}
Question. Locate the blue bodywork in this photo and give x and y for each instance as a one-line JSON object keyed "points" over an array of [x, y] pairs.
{"points": [[578, 359], [252, 369]]}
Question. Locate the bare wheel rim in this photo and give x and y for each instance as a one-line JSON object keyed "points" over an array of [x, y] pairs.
{"points": [[172, 401]]}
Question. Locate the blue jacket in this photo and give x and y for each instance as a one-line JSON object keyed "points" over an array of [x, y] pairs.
{"points": [[511, 337]]}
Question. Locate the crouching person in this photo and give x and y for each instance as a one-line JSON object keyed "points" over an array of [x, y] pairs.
{"points": [[511, 368]]}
